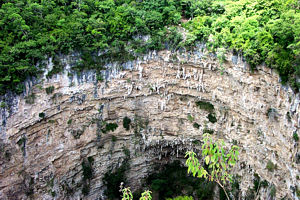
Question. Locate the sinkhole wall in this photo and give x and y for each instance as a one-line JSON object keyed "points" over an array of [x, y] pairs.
{"points": [[62, 124]]}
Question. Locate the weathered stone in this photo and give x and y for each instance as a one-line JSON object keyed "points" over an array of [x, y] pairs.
{"points": [[157, 94]]}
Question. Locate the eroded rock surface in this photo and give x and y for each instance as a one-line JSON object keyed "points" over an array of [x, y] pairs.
{"points": [[46, 138]]}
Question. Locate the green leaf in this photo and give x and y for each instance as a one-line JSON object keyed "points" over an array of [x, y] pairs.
{"points": [[207, 160]]}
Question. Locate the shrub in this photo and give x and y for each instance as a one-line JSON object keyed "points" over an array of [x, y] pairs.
{"points": [[272, 192], [297, 192], [113, 138], [211, 118], [42, 115], [49, 90], [209, 131], [87, 173], [30, 99], [100, 78], [126, 123], [113, 179], [190, 118], [205, 106], [295, 136], [87, 170], [271, 166], [3, 104], [69, 121], [109, 127], [171, 179], [196, 125]]}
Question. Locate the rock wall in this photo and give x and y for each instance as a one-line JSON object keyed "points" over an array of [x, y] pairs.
{"points": [[47, 139]]}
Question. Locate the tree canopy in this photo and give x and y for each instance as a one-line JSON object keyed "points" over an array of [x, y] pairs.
{"points": [[265, 31]]}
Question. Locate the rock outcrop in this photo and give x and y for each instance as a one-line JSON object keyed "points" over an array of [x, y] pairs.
{"points": [[48, 138]]}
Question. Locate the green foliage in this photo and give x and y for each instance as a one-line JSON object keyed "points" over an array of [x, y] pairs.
{"points": [[216, 158], [109, 127], [171, 180], [3, 104], [297, 192], [113, 179], [34, 30], [295, 136], [208, 131], [69, 121], [50, 90], [271, 166], [30, 98], [190, 118], [100, 78], [87, 170], [272, 192], [113, 138], [127, 194], [257, 185], [126, 152], [205, 106], [87, 173], [126, 123], [21, 141], [196, 125], [263, 31], [42, 115], [211, 118]]}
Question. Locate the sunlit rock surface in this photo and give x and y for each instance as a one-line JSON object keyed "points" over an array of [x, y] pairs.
{"points": [[45, 138]]}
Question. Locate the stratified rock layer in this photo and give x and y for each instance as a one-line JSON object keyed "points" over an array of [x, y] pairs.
{"points": [[45, 138]]}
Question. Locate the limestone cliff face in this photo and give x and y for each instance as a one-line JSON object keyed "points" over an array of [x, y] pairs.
{"points": [[47, 138]]}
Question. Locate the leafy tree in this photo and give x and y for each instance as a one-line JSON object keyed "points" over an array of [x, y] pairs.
{"points": [[218, 160], [265, 31]]}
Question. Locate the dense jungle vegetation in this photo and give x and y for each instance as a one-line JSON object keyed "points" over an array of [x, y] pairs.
{"points": [[265, 31]]}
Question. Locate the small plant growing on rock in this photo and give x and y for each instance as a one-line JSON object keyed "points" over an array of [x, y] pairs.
{"points": [[127, 194], [218, 160], [271, 166], [110, 127], [211, 118], [30, 99], [205, 106], [42, 115], [209, 131], [3, 104], [21, 143], [69, 121], [50, 90], [113, 138], [196, 125], [272, 192], [190, 118], [295, 136], [126, 123], [87, 173], [100, 78]]}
